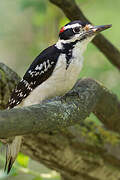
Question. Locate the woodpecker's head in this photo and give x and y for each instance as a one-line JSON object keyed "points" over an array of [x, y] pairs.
{"points": [[77, 30]]}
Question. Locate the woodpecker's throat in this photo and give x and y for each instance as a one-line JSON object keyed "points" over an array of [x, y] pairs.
{"points": [[72, 49], [67, 49]]}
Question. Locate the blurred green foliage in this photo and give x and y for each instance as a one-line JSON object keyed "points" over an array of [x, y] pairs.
{"points": [[39, 6], [27, 27], [37, 178], [23, 160]]}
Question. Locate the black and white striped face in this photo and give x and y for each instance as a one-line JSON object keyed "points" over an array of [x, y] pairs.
{"points": [[77, 30]]}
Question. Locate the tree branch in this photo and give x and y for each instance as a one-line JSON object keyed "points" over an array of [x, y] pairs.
{"points": [[73, 12], [83, 151], [60, 113], [53, 115], [8, 80]]}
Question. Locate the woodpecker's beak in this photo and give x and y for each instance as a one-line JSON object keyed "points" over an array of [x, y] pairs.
{"points": [[93, 30], [97, 29]]}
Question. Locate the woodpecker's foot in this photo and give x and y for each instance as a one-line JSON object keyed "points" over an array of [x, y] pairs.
{"points": [[63, 98], [70, 94], [74, 93], [77, 93]]}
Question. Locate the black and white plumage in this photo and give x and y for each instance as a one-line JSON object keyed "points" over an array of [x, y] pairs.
{"points": [[53, 73], [39, 71]]}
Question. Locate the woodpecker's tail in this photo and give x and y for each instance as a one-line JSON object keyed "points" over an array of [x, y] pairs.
{"points": [[12, 152]]}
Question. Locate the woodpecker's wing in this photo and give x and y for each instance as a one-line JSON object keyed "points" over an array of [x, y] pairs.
{"points": [[39, 71]]}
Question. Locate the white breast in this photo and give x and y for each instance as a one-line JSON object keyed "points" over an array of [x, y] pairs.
{"points": [[59, 83]]}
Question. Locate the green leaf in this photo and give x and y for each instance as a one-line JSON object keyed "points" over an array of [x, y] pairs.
{"points": [[37, 178], [23, 160]]}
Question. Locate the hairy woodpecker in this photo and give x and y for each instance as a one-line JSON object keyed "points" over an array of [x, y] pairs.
{"points": [[53, 73]]}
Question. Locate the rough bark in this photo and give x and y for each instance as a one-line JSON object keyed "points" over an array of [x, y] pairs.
{"points": [[52, 115], [83, 151], [8, 81], [73, 12], [78, 152], [86, 97]]}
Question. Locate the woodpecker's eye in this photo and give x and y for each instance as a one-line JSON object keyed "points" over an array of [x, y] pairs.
{"points": [[76, 29]]}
